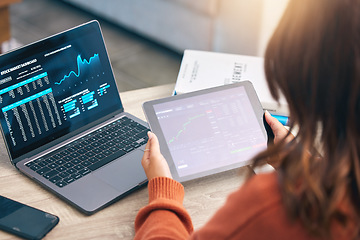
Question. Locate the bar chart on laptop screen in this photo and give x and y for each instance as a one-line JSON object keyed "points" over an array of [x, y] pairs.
{"points": [[208, 132]]}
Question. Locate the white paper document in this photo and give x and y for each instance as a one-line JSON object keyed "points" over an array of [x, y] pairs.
{"points": [[200, 70]]}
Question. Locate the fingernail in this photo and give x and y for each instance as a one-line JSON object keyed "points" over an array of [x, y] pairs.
{"points": [[149, 134]]}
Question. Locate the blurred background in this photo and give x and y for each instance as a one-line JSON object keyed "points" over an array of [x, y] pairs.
{"points": [[146, 38]]}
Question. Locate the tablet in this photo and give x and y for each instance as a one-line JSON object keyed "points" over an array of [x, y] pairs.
{"points": [[208, 131]]}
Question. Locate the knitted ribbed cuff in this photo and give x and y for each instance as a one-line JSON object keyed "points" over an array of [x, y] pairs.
{"points": [[165, 188]]}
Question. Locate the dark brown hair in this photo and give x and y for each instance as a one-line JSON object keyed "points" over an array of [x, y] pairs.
{"points": [[313, 59]]}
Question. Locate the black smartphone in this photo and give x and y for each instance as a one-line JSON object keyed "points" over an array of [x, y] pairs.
{"points": [[25, 221]]}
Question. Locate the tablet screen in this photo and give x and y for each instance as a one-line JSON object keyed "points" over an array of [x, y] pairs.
{"points": [[210, 131]]}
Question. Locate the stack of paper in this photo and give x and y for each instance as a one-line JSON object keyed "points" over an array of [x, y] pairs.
{"points": [[201, 70]]}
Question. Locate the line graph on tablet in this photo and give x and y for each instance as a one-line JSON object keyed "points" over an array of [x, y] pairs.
{"points": [[185, 129]]}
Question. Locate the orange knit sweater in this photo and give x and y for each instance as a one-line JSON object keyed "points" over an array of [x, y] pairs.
{"points": [[253, 212]]}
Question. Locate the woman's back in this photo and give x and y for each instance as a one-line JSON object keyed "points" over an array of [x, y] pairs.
{"points": [[313, 58]]}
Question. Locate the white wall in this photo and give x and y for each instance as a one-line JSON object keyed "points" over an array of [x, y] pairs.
{"points": [[272, 12], [237, 26]]}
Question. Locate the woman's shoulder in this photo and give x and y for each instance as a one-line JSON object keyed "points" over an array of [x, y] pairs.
{"points": [[259, 188], [257, 194], [254, 211]]}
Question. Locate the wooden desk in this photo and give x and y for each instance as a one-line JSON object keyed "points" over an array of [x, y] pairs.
{"points": [[202, 197]]}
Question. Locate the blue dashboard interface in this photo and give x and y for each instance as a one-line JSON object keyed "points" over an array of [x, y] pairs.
{"points": [[55, 86]]}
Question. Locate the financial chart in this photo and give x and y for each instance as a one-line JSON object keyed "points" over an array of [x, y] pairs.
{"points": [[84, 99], [210, 131], [55, 91]]}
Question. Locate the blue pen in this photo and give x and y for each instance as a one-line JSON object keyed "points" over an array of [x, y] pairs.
{"points": [[284, 120]]}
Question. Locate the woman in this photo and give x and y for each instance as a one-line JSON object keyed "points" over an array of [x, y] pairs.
{"points": [[313, 58]]}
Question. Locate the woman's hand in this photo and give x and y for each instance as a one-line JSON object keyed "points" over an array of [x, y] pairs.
{"points": [[280, 132], [153, 161]]}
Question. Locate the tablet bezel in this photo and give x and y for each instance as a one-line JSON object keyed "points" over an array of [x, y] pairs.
{"points": [[149, 111]]}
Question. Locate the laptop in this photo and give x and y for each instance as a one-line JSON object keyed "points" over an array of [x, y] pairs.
{"points": [[63, 121]]}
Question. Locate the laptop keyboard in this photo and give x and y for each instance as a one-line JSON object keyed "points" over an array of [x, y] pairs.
{"points": [[90, 152]]}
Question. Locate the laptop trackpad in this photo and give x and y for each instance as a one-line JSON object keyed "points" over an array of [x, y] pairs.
{"points": [[125, 173]]}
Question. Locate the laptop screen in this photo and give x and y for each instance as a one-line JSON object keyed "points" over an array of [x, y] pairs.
{"points": [[55, 86]]}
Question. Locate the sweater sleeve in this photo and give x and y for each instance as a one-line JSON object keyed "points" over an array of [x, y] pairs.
{"points": [[164, 217]]}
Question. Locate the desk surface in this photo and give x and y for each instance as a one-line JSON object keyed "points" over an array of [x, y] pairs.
{"points": [[202, 197]]}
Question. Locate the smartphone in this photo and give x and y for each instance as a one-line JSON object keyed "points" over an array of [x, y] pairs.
{"points": [[25, 221]]}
